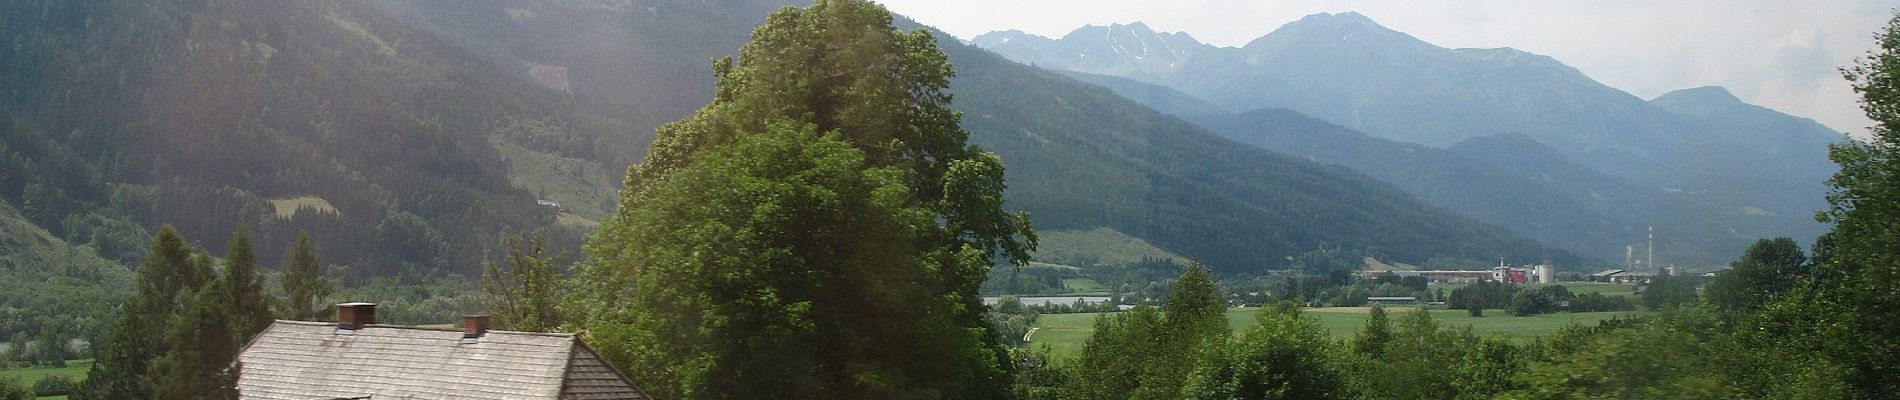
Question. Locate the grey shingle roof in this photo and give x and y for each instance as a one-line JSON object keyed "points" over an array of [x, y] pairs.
{"points": [[307, 361]]}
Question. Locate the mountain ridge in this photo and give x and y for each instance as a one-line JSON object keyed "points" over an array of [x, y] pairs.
{"points": [[1346, 69]]}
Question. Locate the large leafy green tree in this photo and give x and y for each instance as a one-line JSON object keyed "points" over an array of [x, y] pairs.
{"points": [[1766, 272], [1148, 353], [819, 230], [1116, 354], [1196, 316], [1284, 355]]}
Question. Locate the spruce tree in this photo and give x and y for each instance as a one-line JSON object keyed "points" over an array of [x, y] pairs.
{"points": [[303, 282], [167, 279], [201, 349], [250, 310], [1371, 340]]}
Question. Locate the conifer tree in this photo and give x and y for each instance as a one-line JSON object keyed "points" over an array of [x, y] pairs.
{"points": [[250, 309], [1371, 340], [303, 282], [201, 349], [166, 279]]}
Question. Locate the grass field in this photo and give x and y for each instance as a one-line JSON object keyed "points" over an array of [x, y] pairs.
{"points": [[73, 369], [576, 221], [1105, 245], [1084, 286], [579, 185], [287, 207], [1063, 334]]}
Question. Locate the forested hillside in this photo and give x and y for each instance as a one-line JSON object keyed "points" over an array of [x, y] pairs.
{"points": [[1509, 180], [200, 113]]}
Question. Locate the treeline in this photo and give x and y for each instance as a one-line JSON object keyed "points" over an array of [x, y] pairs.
{"points": [[179, 334], [1704, 348], [1532, 300], [1185, 349]]}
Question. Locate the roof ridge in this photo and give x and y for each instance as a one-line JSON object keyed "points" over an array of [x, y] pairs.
{"points": [[422, 328]]}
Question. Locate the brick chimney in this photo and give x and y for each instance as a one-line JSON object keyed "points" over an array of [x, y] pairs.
{"points": [[474, 326], [355, 315]]}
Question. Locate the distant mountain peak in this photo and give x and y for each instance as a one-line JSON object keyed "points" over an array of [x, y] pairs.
{"points": [[1344, 27], [1347, 18], [1704, 95], [1344, 22], [998, 38]]}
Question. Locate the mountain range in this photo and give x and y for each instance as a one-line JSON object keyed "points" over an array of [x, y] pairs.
{"points": [[408, 136], [1709, 171]]}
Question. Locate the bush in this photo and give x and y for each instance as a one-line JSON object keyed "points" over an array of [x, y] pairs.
{"points": [[56, 385], [11, 388]]}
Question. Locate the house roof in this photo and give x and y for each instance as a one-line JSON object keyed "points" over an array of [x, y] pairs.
{"points": [[295, 360]]}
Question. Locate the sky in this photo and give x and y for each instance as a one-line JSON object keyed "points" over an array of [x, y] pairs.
{"points": [[1782, 55]]}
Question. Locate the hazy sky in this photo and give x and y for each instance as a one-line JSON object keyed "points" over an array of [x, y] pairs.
{"points": [[1778, 54]]}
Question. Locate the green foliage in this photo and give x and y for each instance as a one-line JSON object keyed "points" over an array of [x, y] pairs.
{"points": [[524, 296], [817, 229], [1036, 378], [1672, 357], [1427, 361], [1843, 324], [1539, 300], [250, 310], [303, 283], [52, 286], [200, 346], [1667, 290], [1371, 340], [1484, 294], [55, 385], [168, 281], [1597, 302], [1116, 354], [1765, 273], [1196, 310], [180, 333], [1283, 356], [11, 388]]}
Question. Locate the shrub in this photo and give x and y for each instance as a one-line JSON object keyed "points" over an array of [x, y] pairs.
{"points": [[11, 388], [56, 385]]}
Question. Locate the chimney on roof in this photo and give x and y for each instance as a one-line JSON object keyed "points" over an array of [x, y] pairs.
{"points": [[355, 315], [474, 326]]}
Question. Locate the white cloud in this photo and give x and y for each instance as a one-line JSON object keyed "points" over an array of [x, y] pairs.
{"points": [[1777, 54]]}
